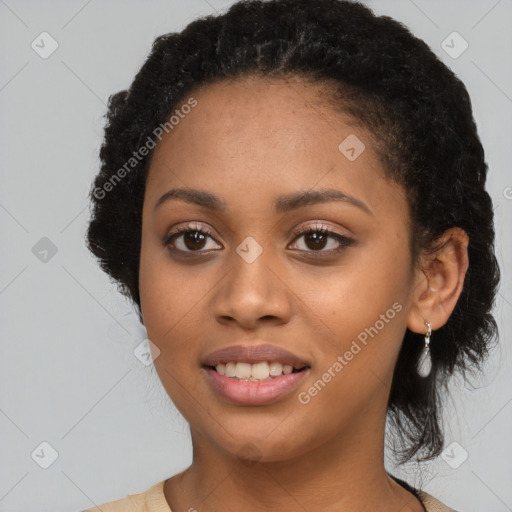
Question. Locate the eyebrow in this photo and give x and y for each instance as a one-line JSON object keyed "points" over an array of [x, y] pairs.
{"points": [[282, 204]]}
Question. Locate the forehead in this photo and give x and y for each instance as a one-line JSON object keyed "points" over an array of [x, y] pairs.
{"points": [[260, 103], [258, 133]]}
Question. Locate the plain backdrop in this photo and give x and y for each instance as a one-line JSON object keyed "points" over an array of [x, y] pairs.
{"points": [[69, 376]]}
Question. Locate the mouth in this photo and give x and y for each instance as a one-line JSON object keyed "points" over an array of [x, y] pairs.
{"points": [[256, 372], [251, 391], [254, 362]]}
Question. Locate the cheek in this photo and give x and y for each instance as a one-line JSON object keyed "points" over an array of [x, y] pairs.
{"points": [[174, 304], [152, 286], [168, 303], [166, 293], [358, 312], [355, 294]]}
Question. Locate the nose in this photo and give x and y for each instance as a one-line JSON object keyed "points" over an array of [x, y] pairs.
{"points": [[252, 294]]}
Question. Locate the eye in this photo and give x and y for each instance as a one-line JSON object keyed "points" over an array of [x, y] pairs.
{"points": [[318, 238], [192, 238]]}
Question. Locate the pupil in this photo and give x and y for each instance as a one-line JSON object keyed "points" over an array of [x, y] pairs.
{"points": [[194, 240], [317, 240]]}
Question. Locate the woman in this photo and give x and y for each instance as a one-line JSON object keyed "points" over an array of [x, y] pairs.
{"points": [[292, 194]]}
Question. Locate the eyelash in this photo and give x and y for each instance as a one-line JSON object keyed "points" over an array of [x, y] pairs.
{"points": [[343, 241]]}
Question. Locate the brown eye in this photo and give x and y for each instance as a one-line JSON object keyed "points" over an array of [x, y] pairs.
{"points": [[315, 240], [190, 240], [194, 240], [321, 240]]}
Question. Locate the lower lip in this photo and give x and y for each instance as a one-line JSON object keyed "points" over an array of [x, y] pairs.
{"points": [[254, 393]]}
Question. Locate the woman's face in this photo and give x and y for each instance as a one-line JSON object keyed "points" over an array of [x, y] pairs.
{"points": [[338, 301]]}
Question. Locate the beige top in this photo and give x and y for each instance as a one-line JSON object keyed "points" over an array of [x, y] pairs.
{"points": [[154, 500]]}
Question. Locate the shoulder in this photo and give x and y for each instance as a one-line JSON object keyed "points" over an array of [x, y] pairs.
{"points": [[431, 504], [152, 500], [132, 503]]}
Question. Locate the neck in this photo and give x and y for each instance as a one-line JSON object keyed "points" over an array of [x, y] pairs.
{"points": [[345, 473]]}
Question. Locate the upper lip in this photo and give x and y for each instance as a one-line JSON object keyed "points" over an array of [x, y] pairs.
{"points": [[253, 354]]}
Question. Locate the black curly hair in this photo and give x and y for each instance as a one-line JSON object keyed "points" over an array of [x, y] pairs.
{"points": [[420, 117]]}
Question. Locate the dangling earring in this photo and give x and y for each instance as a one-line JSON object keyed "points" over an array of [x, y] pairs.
{"points": [[425, 360]]}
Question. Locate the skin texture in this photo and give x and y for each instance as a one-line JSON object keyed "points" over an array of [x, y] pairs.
{"points": [[248, 142]]}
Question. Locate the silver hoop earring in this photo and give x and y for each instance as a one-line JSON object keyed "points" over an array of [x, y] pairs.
{"points": [[425, 361]]}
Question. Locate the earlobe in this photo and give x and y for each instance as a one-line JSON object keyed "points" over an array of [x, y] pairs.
{"points": [[439, 288]]}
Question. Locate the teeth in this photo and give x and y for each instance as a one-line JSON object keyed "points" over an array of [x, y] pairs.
{"points": [[260, 370], [230, 370], [287, 369], [243, 370], [254, 372], [276, 369]]}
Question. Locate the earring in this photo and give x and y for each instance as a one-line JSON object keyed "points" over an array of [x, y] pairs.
{"points": [[425, 360]]}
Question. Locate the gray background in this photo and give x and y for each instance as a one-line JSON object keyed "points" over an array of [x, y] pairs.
{"points": [[68, 373]]}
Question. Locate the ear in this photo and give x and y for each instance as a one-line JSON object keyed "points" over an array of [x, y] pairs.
{"points": [[439, 281]]}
